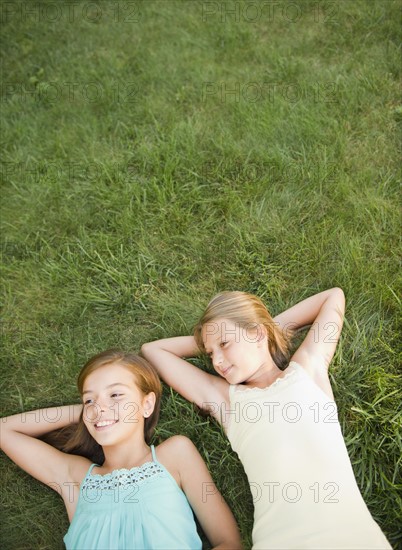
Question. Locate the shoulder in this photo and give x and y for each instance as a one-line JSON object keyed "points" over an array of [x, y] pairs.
{"points": [[178, 454], [177, 444], [78, 467], [318, 373]]}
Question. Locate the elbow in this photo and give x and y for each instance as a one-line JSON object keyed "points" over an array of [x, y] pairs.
{"points": [[229, 544], [338, 297], [5, 432], [341, 295], [145, 349], [338, 290], [337, 294], [235, 544]]}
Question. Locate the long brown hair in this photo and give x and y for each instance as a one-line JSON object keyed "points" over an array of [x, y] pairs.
{"points": [[75, 439], [246, 310]]}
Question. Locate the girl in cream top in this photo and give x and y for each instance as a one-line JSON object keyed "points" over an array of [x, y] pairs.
{"points": [[279, 416]]}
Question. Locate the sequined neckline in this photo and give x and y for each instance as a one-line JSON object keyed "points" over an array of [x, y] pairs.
{"points": [[122, 470], [123, 477]]}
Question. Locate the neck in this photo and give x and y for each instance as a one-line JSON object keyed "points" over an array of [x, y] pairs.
{"points": [[266, 374], [126, 455]]}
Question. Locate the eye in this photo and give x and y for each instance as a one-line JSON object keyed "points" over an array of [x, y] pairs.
{"points": [[88, 401], [223, 344], [116, 395]]}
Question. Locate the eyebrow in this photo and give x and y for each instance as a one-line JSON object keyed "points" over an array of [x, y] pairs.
{"points": [[221, 338], [108, 387]]}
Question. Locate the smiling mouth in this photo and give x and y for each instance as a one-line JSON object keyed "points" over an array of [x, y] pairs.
{"points": [[103, 424], [224, 372]]}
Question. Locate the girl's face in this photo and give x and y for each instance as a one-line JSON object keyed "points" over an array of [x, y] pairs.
{"points": [[114, 406], [237, 353]]}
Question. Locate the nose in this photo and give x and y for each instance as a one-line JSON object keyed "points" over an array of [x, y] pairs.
{"points": [[217, 359], [99, 407]]}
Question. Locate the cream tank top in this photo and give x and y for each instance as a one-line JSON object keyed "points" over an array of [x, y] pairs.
{"points": [[304, 491]]}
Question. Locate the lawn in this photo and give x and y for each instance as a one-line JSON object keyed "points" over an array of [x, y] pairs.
{"points": [[157, 152]]}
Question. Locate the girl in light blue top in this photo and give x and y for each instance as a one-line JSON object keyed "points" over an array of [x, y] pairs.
{"points": [[132, 497]]}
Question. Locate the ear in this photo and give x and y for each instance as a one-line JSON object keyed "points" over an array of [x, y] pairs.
{"points": [[262, 335], [148, 404]]}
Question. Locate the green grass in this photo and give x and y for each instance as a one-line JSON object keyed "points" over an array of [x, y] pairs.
{"points": [[135, 186]]}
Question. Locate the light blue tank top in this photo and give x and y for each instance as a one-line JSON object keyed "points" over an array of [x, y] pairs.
{"points": [[141, 508]]}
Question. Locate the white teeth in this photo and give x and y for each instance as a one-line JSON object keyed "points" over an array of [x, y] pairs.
{"points": [[104, 423]]}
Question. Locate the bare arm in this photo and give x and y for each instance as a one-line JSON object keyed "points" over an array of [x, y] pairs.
{"points": [[324, 312], [213, 513], [191, 382], [19, 441], [305, 312]]}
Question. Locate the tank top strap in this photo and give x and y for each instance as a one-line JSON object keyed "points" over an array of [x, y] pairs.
{"points": [[92, 466], [153, 454]]}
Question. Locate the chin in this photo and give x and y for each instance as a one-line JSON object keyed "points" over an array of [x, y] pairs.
{"points": [[241, 380], [233, 380]]}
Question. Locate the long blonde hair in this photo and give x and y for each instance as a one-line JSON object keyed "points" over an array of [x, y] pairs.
{"points": [[245, 310], [76, 439]]}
